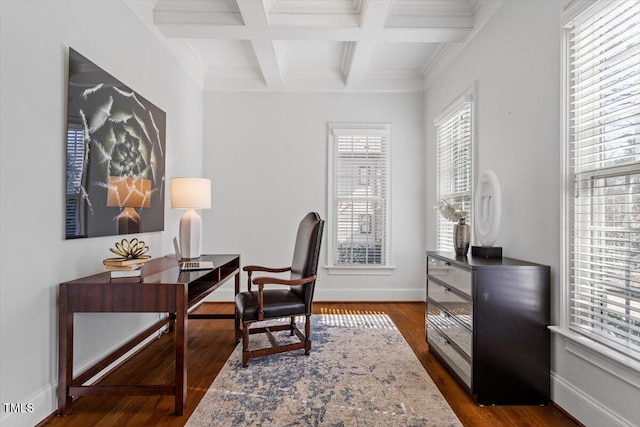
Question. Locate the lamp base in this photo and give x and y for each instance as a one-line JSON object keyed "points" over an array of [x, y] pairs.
{"points": [[128, 221], [486, 251], [190, 235]]}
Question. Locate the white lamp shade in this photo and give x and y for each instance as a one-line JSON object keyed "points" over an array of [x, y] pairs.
{"points": [[192, 193]]}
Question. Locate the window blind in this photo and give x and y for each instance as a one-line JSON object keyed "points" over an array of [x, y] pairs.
{"points": [[360, 188], [454, 173], [604, 155], [75, 167]]}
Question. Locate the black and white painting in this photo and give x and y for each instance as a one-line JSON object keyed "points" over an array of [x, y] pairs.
{"points": [[115, 149]]}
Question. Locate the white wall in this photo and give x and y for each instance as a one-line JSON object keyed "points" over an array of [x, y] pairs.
{"points": [[35, 257], [515, 62], [266, 154]]}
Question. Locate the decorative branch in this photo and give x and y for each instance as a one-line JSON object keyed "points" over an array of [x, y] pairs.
{"points": [[450, 211]]}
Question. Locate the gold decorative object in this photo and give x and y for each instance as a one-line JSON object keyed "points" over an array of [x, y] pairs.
{"points": [[134, 249]]}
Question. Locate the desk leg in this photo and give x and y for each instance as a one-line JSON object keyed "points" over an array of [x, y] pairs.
{"points": [[181, 334], [172, 322], [235, 310], [65, 353]]}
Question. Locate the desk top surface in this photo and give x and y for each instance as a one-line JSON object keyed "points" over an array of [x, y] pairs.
{"points": [[165, 270]]}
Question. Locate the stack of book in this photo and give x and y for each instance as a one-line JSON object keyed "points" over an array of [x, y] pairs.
{"points": [[124, 267]]}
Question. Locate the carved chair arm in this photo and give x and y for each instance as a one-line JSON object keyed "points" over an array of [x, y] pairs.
{"points": [[251, 268], [265, 280]]}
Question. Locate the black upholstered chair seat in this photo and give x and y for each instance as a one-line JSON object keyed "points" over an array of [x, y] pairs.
{"points": [[277, 303]]}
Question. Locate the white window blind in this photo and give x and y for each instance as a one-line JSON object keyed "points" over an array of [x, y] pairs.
{"points": [[360, 188], [75, 166], [455, 166], [603, 47]]}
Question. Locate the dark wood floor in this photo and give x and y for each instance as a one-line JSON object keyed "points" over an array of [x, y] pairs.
{"points": [[212, 341]]}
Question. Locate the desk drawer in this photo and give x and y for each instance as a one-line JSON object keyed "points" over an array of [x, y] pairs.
{"points": [[449, 326], [441, 345], [453, 276]]}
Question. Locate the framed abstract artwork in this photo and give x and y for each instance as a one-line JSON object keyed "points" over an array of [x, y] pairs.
{"points": [[115, 156]]}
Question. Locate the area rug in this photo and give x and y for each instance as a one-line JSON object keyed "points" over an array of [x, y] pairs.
{"points": [[361, 372]]}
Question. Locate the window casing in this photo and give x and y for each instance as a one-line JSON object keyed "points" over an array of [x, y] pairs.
{"points": [[358, 226], [455, 171], [602, 151]]}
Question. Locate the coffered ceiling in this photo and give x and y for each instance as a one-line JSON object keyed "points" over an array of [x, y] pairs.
{"points": [[314, 45]]}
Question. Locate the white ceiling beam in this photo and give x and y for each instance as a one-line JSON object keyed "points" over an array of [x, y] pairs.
{"points": [[240, 32], [268, 62], [373, 20], [255, 18], [322, 7], [356, 71], [281, 57], [359, 24], [314, 13], [313, 20], [219, 12]]}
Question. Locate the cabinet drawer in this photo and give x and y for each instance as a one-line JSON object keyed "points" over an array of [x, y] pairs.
{"points": [[452, 276], [440, 345], [460, 308], [451, 328]]}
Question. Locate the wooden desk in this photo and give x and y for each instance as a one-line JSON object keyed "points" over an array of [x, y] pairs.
{"points": [[164, 289]]}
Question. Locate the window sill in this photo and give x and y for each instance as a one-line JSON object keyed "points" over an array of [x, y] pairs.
{"points": [[619, 365], [368, 270]]}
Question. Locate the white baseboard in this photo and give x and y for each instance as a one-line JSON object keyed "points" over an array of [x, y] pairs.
{"points": [[33, 410], [344, 295], [583, 407], [347, 295]]}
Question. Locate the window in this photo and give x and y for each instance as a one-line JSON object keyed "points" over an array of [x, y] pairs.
{"points": [[602, 147], [359, 195], [454, 136]]}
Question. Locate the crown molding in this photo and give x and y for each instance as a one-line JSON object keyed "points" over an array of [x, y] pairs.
{"points": [[484, 10], [181, 50]]}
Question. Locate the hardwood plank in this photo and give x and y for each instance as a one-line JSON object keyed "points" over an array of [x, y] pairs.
{"points": [[210, 342]]}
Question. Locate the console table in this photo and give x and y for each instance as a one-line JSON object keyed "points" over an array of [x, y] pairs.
{"points": [[162, 288]]}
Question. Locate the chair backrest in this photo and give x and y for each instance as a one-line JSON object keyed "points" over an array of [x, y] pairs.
{"points": [[306, 254]]}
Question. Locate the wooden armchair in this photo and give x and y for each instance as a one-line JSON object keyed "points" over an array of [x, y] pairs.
{"points": [[294, 300]]}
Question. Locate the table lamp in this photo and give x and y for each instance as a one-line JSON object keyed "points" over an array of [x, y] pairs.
{"points": [[129, 193], [192, 194]]}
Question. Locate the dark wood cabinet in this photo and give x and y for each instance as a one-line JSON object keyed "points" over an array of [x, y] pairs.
{"points": [[486, 321]]}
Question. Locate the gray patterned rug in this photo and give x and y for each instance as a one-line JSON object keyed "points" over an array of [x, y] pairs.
{"points": [[361, 372]]}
